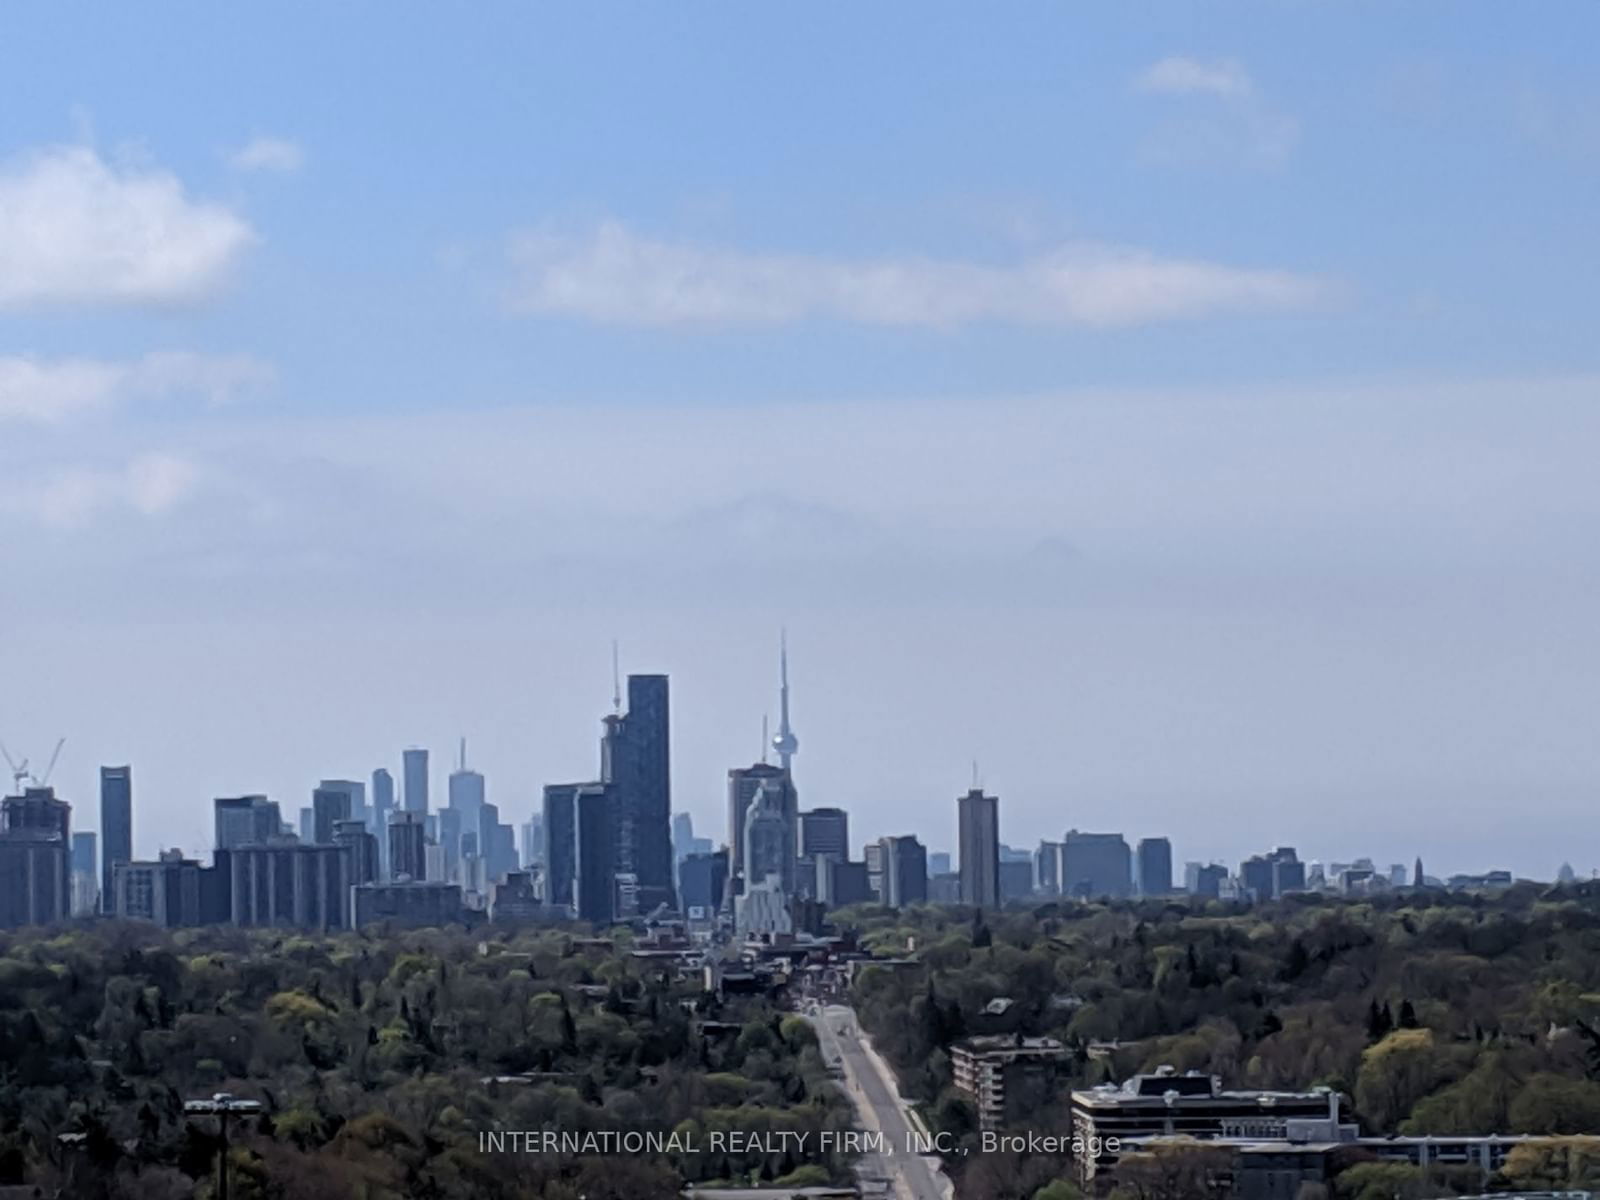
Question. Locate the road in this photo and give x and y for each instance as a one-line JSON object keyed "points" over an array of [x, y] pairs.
{"points": [[870, 1084]]}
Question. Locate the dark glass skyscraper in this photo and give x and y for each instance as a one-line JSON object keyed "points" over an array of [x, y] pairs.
{"points": [[560, 842], [116, 824], [636, 761], [595, 887], [825, 831]]}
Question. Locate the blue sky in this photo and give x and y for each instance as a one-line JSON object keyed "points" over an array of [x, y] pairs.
{"points": [[1070, 343]]}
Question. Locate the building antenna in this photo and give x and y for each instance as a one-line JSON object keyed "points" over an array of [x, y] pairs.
{"points": [[976, 785], [616, 680], [763, 739], [785, 743], [463, 752]]}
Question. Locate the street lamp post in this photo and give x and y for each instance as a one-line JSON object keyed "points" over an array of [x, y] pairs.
{"points": [[222, 1106]]}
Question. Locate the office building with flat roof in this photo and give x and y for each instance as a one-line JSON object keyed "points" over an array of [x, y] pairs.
{"points": [[978, 848]]}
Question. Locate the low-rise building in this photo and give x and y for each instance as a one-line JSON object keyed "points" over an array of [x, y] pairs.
{"points": [[1005, 1073], [1165, 1104]]}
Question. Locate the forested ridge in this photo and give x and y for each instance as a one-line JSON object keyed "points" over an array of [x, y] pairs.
{"points": [[369, 1053], [1435, 1012]]}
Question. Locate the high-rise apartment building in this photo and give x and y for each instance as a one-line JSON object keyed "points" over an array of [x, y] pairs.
{"points": [[1204, 880], [762, 907], [702, 880], [329, 808], [1153, 866], [560, 842], [1016, 879], [35, 858], [165, 892], [289, 884], [356, 790], [1094, 865], [825, 832], [1047, 868], [85, 875], [414, 777], [382, 797], [596, 881], [978, 822], [682, 835], [116, 824], [408, 842], [361, 851], [767, 854], [743, 783], [872, 859], [531, 841], [246, 821], [466, 795], [905, 871]]}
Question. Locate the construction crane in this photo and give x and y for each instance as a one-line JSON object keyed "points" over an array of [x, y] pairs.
{"points": [[21, 776], [55, 756], [19, 770]]}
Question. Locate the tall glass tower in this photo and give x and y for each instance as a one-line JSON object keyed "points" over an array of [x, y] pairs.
{"points": [[116, 824]]}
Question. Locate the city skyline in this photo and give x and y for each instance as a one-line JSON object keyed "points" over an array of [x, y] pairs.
{"points": [[462, 780], [1194, 417]]}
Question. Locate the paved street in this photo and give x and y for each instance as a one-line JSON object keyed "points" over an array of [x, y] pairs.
{"points": [[872, 1088]]}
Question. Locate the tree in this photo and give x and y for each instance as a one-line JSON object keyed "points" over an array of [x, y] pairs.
{"points": [[1382, 1181], [1176, 1170], [1556, 1163], [1377, 1023], [1550, 1103], [1397, 1072]]}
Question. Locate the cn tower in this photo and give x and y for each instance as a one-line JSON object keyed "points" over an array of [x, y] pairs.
{"points": [[785, 742]]}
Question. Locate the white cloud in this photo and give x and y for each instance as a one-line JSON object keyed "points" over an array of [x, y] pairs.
{"points": [[268, 154], [1228, 120], [50, 391], [1177, 76], [75, 229], [150, 485], [614, 275]]}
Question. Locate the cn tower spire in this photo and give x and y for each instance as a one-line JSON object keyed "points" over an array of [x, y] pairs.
{"points": [[785, 743]]}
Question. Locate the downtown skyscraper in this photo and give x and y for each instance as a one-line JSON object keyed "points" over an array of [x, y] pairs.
{"points": [[414, 780], [636, 763], [116, 825]]}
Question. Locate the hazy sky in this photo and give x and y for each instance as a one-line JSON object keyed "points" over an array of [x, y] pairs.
{"points": [[1188, 413]]}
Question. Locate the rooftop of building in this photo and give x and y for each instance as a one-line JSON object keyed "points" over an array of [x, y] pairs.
{"points": [[1165, 1081], [1003, 1043]]}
